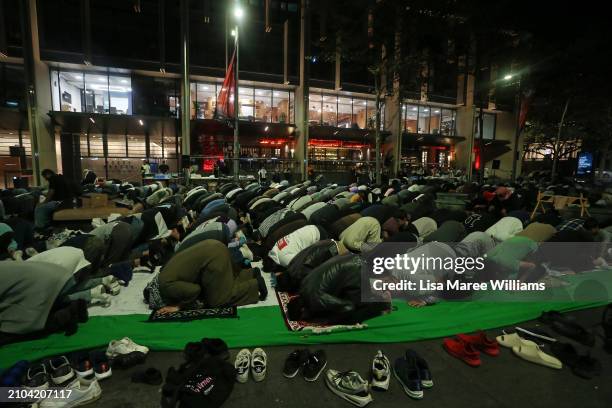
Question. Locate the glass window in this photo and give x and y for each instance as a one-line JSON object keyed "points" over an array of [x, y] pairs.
{"points": [[447, 126], [55, 90], [156, 96], [434, 122], [245, 102], [124, 169], [96, 93], [170, 147], [83, 143], [96, 147], [359, 113], [70, 91], [12, 86], [314, 108], [280, 108], [136, 146], [329, 112], [120, 90], [411, 116], [192, 97], [156, 146], [488, 126], [116, 145], [263, 105], [371, 114], [424, 115], [291, 107], [345, 111], [205, 100]]}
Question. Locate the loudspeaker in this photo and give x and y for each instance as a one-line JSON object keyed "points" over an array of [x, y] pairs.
{"points": [[496, 164]]}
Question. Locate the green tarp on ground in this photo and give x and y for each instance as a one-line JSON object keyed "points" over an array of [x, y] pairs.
{"points": [[264, 326]]}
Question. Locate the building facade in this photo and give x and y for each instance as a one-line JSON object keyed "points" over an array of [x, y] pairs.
{"points": [[100, 85]]}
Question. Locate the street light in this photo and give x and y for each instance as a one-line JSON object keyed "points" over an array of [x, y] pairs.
{"points": [[238, 15], [238, 12], [508, 77]]}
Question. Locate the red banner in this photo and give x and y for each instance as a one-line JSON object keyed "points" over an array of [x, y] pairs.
{"points": [[225, 102]]}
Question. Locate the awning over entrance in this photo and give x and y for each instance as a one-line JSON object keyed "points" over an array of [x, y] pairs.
{"points": [[426, 139], [494, 148], [79, 122], [343, 134], [207, 131]]}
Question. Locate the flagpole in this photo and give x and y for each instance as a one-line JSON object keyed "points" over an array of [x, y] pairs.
{"points": [[236, 113]]}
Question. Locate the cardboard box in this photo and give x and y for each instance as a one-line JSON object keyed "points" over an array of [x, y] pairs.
{"points": [[94, 200]]}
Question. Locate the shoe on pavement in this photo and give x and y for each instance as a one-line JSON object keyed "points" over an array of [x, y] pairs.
{"points": [[481, 342], [124, 346], [349, 386], [381, 372], [37, 378], [535, 355], [407, 373], [243, 365], [60, 370], [315, 365], [81, 393], [463, 351], [82, 364], [101, 365], [294, 362], [259, 362], [424, 372]]}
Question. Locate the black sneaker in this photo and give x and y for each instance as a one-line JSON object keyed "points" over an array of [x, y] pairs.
{"points": [[407, 373], [60, 370], [314, 365], [294, 362]]}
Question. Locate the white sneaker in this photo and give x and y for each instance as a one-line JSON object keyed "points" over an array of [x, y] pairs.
{"points": [[242, 365], [349, 386], [75, 396], [111, 284], [99, 296], [124, 346], [381, 371], [259, 362]]}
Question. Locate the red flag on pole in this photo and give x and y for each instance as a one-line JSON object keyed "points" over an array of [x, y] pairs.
{"points": [[225, 101]]}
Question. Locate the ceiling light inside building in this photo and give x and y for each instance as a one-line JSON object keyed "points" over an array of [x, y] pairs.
{"points": [[101, 78], [124, 81]]}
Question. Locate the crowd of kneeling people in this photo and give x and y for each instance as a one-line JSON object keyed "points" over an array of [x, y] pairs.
{"points": [[309, 236]]}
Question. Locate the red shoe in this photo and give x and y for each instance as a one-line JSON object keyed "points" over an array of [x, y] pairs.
{"points": [[481, 342], [463, 351]]}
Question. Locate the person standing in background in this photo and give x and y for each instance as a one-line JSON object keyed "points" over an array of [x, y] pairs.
{"points": [[144, 170]]}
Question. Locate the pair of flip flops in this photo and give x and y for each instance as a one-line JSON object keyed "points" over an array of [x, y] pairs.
{"points": [[583, 366], [528, 350]]}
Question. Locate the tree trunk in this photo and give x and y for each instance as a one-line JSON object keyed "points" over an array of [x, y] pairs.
{"points": [[553, 175]]}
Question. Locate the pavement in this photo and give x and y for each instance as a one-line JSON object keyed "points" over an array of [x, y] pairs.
{"points": [[505, 381]]}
